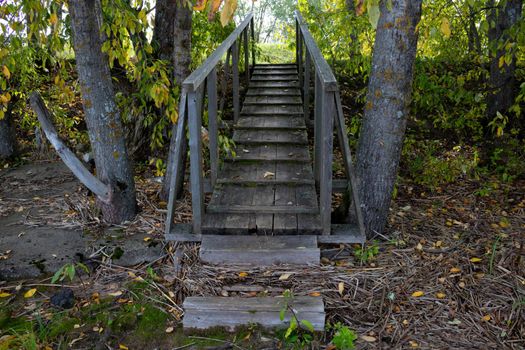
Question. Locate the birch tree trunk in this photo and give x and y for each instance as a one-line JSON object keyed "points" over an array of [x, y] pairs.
{"points": [[101, 112], [387, 107]]}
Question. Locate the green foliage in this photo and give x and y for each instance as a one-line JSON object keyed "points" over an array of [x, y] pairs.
{"points": [[299, 332], [367, 252], [69, 270], [343, 338]]}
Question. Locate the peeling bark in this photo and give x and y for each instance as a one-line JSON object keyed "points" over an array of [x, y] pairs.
{"points": [[101, 112], [386, 110]]}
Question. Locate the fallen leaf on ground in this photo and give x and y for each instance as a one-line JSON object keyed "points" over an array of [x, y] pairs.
{"points": [[486, 318], [268, 174], [341, 287], [314, 294], [169, 330], [475, 260], [30, 293], [4, 294], [418, 294], [243, 274], [368, 338], [284, 276], [455, 270], [441, 295]]}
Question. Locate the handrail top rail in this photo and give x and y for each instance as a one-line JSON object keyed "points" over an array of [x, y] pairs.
{"points": [[323, 68], [197, 77]]}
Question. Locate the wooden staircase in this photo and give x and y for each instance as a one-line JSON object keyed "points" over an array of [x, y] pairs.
{"points": [[268, 188], [271, 203]]}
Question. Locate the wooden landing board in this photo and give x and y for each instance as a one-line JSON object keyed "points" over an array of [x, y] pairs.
{"points": [[272, 151], [267, 171], [260, 250], [270, 100], [232, 312], [283, 109], [292, 136], [273, 91]]}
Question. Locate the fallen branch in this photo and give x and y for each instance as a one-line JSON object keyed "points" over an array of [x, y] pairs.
{"points": [[101, 190]]}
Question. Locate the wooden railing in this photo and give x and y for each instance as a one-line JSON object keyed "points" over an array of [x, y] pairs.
{"points": [[191, 107], [327, 112]]}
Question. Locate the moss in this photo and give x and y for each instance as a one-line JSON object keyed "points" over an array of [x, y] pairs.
{"points": [[151, 323], [60, 326]]}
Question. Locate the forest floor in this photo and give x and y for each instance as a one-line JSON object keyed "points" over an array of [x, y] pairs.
{"points": [[448, 273]]}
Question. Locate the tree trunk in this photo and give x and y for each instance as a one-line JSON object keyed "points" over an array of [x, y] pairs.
{"points": [[181, 69], [502, 81], [7, 135], [474, 41], [386, 110], [101, 112], [163, 33]]}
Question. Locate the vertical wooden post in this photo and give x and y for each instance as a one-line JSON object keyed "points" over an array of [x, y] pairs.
{"points": [[306, 87], [212, 124], [197, 191], [300, 57], [317, 126], [252, 26], [326, 149], [246, 59], [235, 68], [296, 41], [177, 168]]}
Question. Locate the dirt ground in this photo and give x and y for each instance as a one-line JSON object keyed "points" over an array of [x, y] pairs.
{"points": [[448, 273]]}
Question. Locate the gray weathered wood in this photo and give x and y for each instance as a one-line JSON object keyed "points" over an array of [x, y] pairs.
{"points": [[246, 58], [232, 312], [343, 233], [197, 77], [177, 170], [263, 209], [197, 190], [325, 173], [235, 69], [306, 87], [252, 30], [213, 131]]}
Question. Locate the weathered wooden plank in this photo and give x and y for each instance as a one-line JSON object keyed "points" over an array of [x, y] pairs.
{"points": [[264, 195], [344, 233], [306, 86], [262, 209], [274, 121], [256, 182], [325, 173], [273, 91], [284, 109], [232, 312], [246, 58], [259, 250], [297, 137], [272, 71], [293, 171], [279, 100], [197, 190], [211, 84], [235, 69], [276, 84], [285, 223], [275, 77]]}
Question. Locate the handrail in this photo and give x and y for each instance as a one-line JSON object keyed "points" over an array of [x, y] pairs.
{"points": [[323, 68], [197, 77]]}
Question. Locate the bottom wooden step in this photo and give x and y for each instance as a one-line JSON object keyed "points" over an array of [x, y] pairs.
{"points": [[260, 250], [232, 312]]}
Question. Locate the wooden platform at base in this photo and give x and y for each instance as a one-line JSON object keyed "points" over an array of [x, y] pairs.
{"points": [[341, 234], [232, 312]]}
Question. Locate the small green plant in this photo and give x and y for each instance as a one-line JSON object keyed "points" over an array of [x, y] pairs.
{"points": [[299, 332], [343, 338], [69, 270], [366, 253]]}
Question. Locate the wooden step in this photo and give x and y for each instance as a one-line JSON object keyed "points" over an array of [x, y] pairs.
{"points": [[274, 77], [273, 121], [297, 137], [272, 71], [271, 100], [267, 171], [274, 84], [232, 312], [273, 91], [260, 250], [276, 66], [272, 151], [283, 109]]}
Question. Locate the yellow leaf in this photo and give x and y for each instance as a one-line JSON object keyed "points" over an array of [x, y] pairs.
{"points": [[486, 318], [30, 293], [445, 27], [215, 6], [368, 338], [314, 294], [1, 114], [123, 347], [440, 295], [53, 19], [501, 61], [227, 11], [284, 276], [174, 117], [475, 260], [200, 5], [243, 274], [504, 224], [418, 294], [455, 270], [147, 239], [4, 294], [341, 287], [6, 72]]}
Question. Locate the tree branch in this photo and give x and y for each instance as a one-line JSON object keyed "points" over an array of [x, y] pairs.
{"points": [[68, 157]]}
